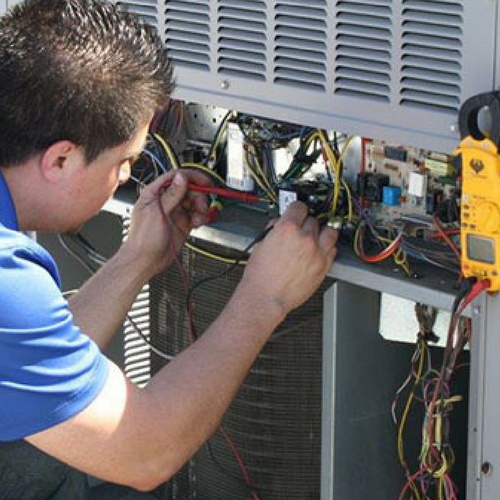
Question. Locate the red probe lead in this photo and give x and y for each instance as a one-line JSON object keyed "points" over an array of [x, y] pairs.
{"points": [[222, 192]]}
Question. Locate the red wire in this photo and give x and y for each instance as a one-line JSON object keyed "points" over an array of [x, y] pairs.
{"points": [[446, 238], [238, 458], [449, 232], [410, 481], [185, 281]]}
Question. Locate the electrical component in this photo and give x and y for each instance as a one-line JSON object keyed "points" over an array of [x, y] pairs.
{"points": [[398, 154], [374, 187], [433, 199], [391, 195], [362, 183], [317, 195], [480, 210], [439, 168], [417, 184], [238, 174]]}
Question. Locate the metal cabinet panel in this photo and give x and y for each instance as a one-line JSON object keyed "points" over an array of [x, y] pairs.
{"points": [[389, 69]]}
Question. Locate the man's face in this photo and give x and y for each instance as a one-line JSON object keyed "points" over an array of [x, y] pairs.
{"points": [[93, 184]]}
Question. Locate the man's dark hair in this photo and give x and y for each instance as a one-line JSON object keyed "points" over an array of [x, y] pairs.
{"points": [[78, 70]]}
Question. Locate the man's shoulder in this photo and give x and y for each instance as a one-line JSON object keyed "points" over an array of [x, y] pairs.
{"points": [[10, 239], [16, 249], [15, 243]]}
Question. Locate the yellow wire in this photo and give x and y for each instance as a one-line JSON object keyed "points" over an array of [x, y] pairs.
{"points": [[260, 171], [210, 255], [216, 145], [356, 240], [334, 166], [400, 258], [440, 488], [349, 200], [258, 180], [409, 402], [208, 171], [168, 150]]}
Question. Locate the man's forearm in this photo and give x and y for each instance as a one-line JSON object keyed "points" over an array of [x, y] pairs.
{"points": [[100, 306]]}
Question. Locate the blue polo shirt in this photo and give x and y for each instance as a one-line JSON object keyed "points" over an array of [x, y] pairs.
{"points": [[49, 370]]}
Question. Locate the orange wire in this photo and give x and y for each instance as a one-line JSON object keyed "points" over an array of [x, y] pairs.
{"points": [[384, 254]]}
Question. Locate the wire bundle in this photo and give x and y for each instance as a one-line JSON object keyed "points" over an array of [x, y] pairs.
{"points": [[436, 458], [390, 247]]}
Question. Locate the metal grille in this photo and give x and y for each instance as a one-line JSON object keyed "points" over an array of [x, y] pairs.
{"points": [[300, 44], [364, 49], [242, 37], [136, 352], [389, 69], [431, 59], [187, 33], [275, 419]]}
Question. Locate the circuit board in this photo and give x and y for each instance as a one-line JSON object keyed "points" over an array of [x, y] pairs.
{"points": [[423, 182]]}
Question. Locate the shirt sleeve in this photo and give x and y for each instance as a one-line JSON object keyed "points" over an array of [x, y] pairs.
{"points": [[49, 369]]}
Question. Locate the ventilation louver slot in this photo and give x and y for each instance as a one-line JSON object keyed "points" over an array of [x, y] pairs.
{"points": [[242, 39], [137, 362], [300, 44], [431, 55], [363, 49], [188, 33], [146, 10]]}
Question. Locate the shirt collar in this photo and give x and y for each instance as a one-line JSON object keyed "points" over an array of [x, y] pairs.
{"points": [[8, 216]]}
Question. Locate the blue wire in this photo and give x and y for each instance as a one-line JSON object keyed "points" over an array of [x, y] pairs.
{"points": [[156, 160]]}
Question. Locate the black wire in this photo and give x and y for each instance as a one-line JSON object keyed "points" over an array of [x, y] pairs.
{"points": [[217, 133], [189, 296], [91, 270]]}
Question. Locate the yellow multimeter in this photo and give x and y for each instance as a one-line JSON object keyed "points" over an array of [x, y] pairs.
{"points": [[480, 204]]}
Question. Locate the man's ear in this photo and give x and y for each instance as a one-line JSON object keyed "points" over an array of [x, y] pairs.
{"points": [[56, 161]]}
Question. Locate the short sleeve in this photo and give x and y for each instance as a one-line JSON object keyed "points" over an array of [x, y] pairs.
{"points": [[49, 369]]}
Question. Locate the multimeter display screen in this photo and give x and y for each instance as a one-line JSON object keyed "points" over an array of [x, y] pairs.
{"points": [[480, 249]]}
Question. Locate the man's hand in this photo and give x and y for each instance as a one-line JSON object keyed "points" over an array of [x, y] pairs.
{"points": [[154, 236], [291, 262]]}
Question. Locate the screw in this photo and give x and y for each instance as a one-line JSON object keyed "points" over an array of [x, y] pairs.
{"points": [[453, 127], [476, 311], [486, 468], [224, 85]]}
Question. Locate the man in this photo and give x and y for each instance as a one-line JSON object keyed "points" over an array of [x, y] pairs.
{"points": [[79, 83]]}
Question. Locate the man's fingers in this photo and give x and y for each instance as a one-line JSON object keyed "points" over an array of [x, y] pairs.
{"points": [[195, 177], [296, 212], [150, 191], [311, 227], [328, 240], [199, 202], [175, 193]]}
